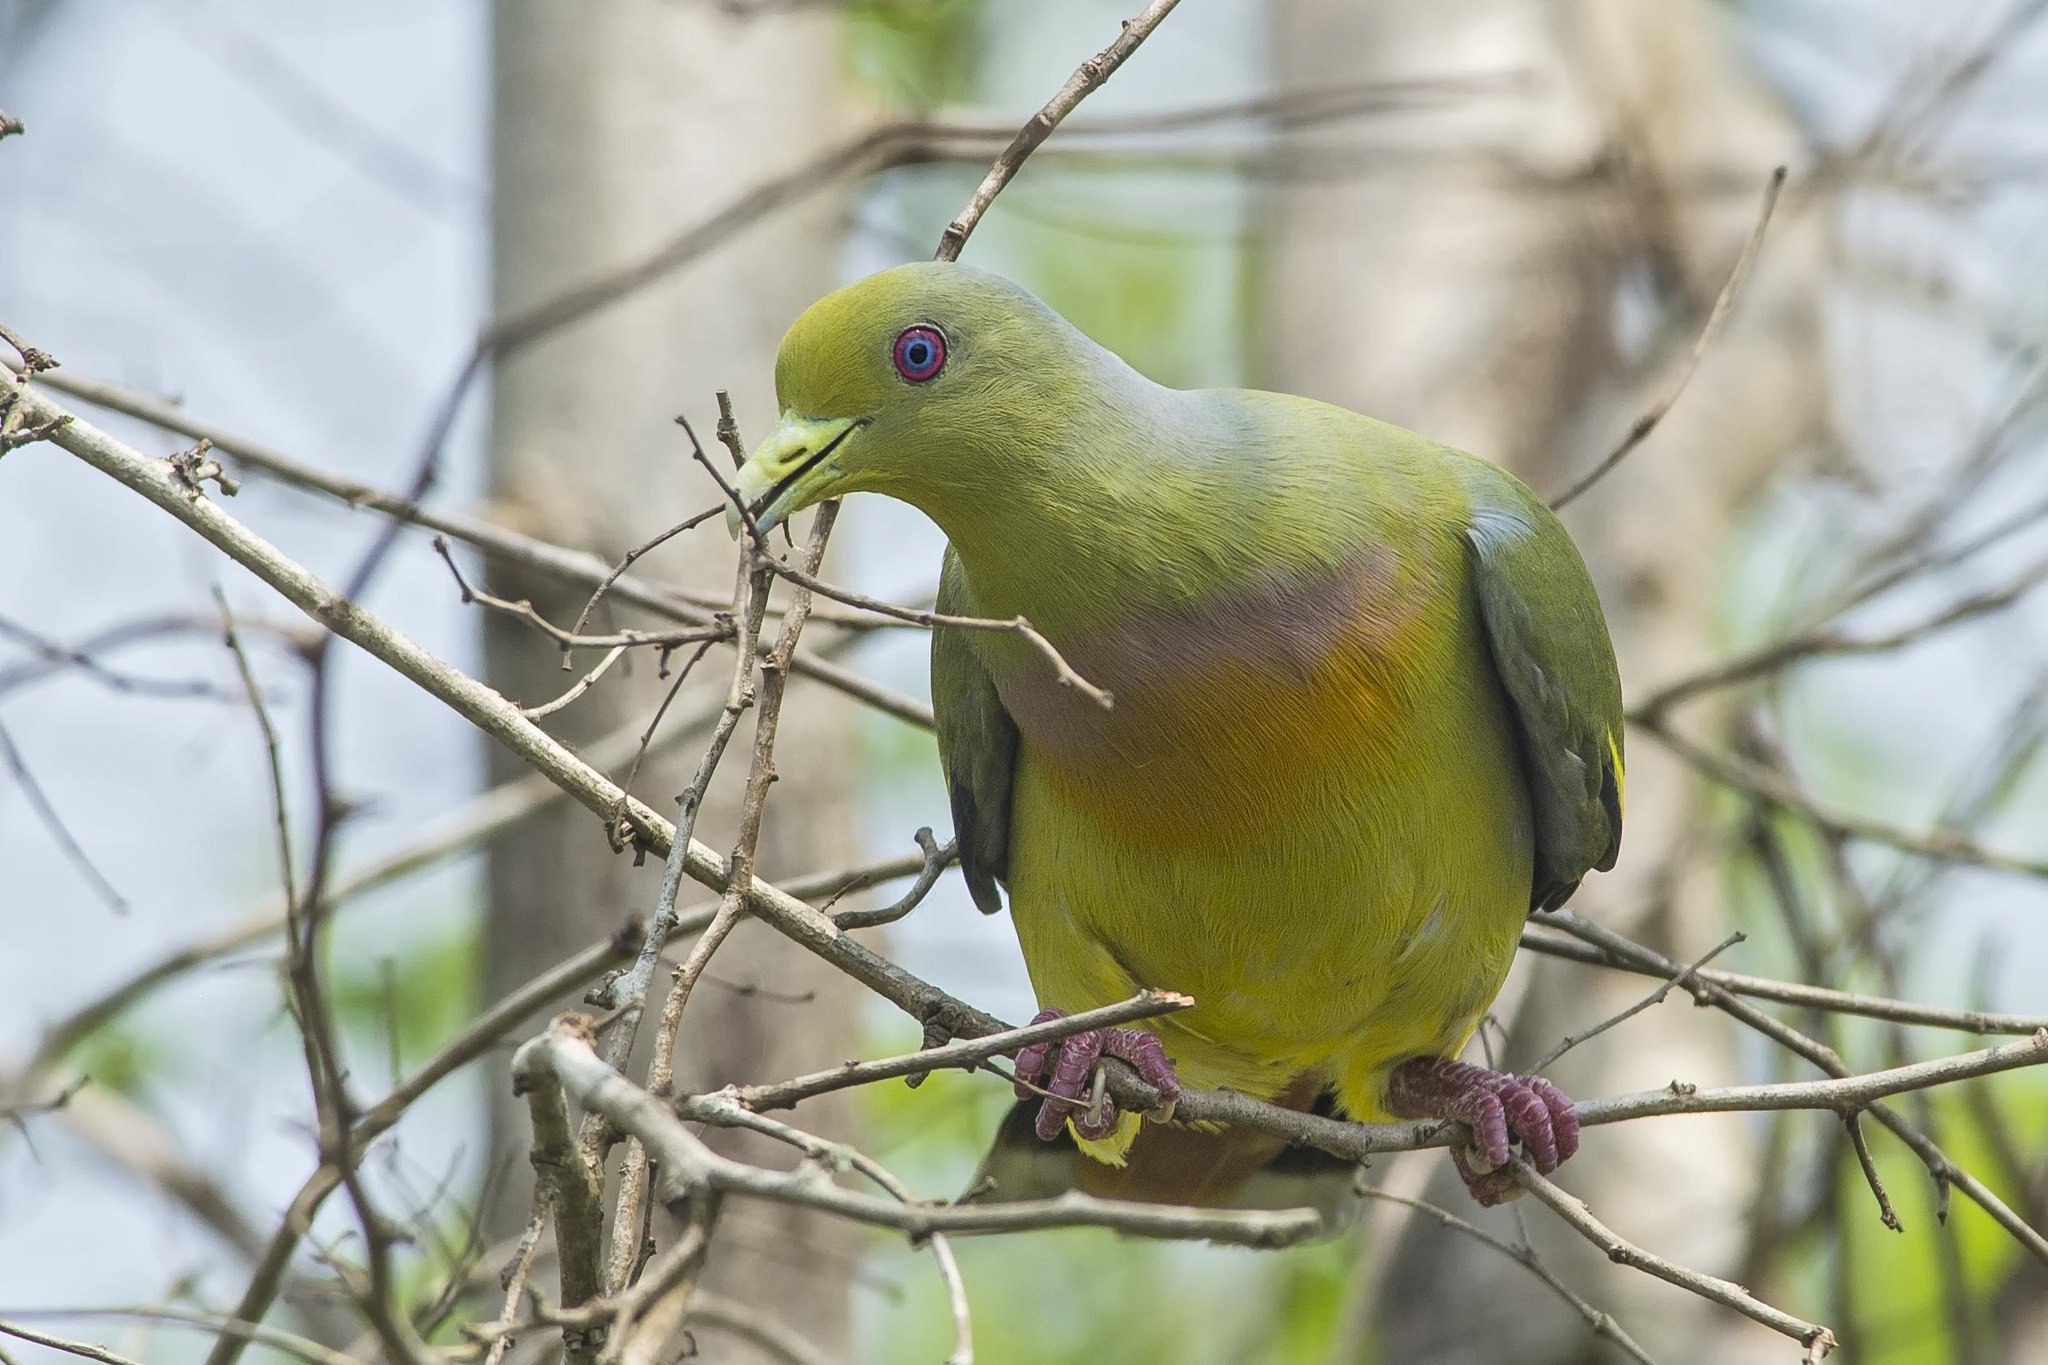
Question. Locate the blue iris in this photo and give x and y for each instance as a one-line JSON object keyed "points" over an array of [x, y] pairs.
{"points": [[920, 353]]}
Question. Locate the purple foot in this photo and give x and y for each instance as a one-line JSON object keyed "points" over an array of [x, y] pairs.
{"points": [[1497, 1107], [1073, 1060]]}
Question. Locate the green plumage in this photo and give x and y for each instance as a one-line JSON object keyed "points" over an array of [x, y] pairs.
{"points": [[1366, 710]]}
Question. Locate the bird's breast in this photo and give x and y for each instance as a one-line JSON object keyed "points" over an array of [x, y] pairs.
{"points": [[1227, 708]]}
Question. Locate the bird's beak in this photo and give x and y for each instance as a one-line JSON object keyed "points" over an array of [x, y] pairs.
{"points": [[790, 470]]}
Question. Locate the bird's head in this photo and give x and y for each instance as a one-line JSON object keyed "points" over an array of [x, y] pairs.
{"points": [[905, 383]]}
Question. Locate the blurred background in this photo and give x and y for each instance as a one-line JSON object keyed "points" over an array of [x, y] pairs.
{"points": [[1501, 222]]}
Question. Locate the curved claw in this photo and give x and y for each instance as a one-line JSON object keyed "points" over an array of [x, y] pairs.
{"points": [[1064, 1069], [1498, 1107]]}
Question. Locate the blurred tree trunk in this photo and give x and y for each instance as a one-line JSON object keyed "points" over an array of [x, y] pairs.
{"points": [[615, 124], [1521, 273]]}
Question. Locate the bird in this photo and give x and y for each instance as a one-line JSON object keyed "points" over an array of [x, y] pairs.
{"points": [[1362, 717]]}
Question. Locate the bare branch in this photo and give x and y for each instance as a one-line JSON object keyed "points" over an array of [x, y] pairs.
{"points": [[1942, 845], [290, 1343], [571, 1189], [1016, 625], [500, 543], [754, 1325], [1709, 330], [1602, 1324], [937, 859], [688, 1166], [1539, 939], [280, 807], [725, 1110], [1853, 1121], [1087, 78], [1655, 997], [46, 811], [54, 658], [750, 609], [1814, 644], [568, 640], [966, 1053], [84, 1349], [514, 1283], [1624, 1252], [1946, 1173]]}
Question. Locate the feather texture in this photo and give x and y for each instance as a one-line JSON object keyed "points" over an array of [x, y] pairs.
{"points": [[1366, 712]]}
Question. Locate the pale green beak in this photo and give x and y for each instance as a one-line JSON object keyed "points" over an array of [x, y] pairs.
{"points": [[792, 469]]}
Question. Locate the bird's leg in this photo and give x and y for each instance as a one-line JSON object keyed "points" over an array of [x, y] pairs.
{"points": [[1496, 1106], [1073, 1060]]}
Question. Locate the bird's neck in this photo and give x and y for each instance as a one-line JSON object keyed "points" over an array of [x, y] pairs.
{"points": [[1105, 527]]}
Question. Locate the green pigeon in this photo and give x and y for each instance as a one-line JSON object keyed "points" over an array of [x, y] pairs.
{"points": [[1365, 718]]}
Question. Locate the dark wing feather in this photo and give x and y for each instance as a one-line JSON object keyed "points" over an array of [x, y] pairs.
{"points": [[1554, 659], [977, 747]]}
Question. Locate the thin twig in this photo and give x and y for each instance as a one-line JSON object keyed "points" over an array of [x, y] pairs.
{"points": [[85, 1349], [46, 812], [1655, 997], [514, 1278], [1088, 77], [533, 555], [54, 658], [290, 1343], [688, 1166], [1943, 845], [1946, 1173], [726, 1110], [1709, 330], [280, 809], [1853, 1121], [1538, 938], [756, 1325], [569, 639], [1624, 1252], [937, 858], [1063, 672], [752, 594], [966, 1053], [1601, 1323], [582, 685], [1824, 644], [632, 557], [643, 1320]]}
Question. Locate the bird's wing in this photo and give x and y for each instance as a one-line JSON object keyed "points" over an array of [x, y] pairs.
{"points": [[977, 746], [1552, 654]]}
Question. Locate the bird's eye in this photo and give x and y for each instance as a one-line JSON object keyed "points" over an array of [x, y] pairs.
{"points": [[920, 353]]}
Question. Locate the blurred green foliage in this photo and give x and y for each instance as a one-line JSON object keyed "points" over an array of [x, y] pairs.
{"points": [[127, 1058], [916, 54], [408, 1004], [1904, 1308], [1164, 307]]}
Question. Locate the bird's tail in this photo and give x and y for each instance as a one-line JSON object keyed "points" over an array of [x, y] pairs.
{"points": [[1172, 1163]]}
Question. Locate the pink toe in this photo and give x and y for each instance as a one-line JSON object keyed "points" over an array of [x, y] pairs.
{"points": [[1530, 1121], [1078, 1055], [1564, 1116]]}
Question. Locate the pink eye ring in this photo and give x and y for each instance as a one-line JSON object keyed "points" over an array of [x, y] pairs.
{"points": [[920, 353]]}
